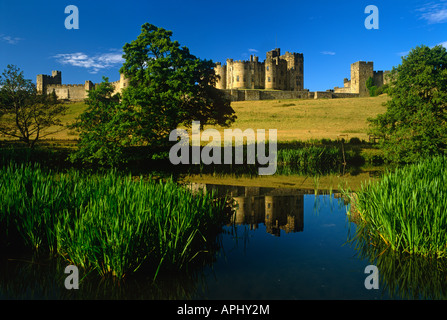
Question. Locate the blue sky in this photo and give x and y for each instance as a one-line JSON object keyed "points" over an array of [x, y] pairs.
{"points": [[330, 34]]}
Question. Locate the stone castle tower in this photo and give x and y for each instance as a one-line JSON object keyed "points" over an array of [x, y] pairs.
{"points": [[44, 80], [277, 72], [361, 71]]}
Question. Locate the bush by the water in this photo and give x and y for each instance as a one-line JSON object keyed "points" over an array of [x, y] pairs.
{"points": [[106, 222], [407, 208]]}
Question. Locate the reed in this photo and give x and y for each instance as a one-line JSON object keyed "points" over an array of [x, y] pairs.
{"points": [[107, 222], [310, 159], [406, 209]]}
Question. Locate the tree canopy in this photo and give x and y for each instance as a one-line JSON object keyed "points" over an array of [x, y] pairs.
{"points": [[168, 87], [414, 126]]}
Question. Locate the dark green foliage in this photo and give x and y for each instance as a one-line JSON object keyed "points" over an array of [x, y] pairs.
{"points": [[102, 127], [169, 87], [371, 87], [414, 125]]}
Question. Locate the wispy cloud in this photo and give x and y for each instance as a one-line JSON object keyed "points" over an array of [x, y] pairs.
{"points": [[9, 39], [94, 63], [434, 12], [253, 50], [328, 53]]}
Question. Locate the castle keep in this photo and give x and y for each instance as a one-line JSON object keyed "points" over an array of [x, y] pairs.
{"points": [[277, 72]]}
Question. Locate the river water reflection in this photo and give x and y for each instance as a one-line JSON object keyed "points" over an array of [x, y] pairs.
{"points": [[281, 244]]}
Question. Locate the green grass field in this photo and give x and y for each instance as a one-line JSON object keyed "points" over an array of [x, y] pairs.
{"points": [[310, 119], [293, 119]]}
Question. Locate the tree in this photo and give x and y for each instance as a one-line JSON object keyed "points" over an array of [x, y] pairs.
{"points": [[168, 87], [25, 114], [414, 126], [371, 87], [102, 130]]}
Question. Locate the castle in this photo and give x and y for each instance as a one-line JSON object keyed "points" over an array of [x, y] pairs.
{"points": [[277, 72], [361, 71], [282, 77], [278, 77], [73, 92]]}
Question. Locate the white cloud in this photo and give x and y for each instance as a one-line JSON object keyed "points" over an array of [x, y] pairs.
{"points": [[434, 12], [328, 53], [9, 39], [444, 44], [94, 63], [253, 50]]}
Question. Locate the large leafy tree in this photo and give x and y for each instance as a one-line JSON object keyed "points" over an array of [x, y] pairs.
{"points": [[168, 87], [25, 114], [414, 125], [103, 131]]}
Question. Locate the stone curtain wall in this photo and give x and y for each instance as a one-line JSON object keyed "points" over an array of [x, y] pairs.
{"points": [[254, 95]]}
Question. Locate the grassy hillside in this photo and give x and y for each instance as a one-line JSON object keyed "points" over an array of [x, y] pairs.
{"points": [[310, 119], [294, 119]]}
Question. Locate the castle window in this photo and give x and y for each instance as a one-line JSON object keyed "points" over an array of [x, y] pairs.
{"points": [[237, 79], [245, 80], [268, 79], [268, 68]]}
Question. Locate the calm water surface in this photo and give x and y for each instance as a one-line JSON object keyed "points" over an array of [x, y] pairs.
{"points": [[282, 244]]}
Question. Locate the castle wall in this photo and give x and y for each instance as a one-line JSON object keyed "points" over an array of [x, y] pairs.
{"points": [[254, 95], [76, 92], [342, 90], [68, 91], [323, 95], [344, 95]]}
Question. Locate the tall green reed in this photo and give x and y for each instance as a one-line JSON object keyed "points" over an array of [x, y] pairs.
{"points": [[106, 222], [406, 209]]}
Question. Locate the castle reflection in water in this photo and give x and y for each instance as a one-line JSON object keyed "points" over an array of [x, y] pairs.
{"points": [[277, 209]]}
